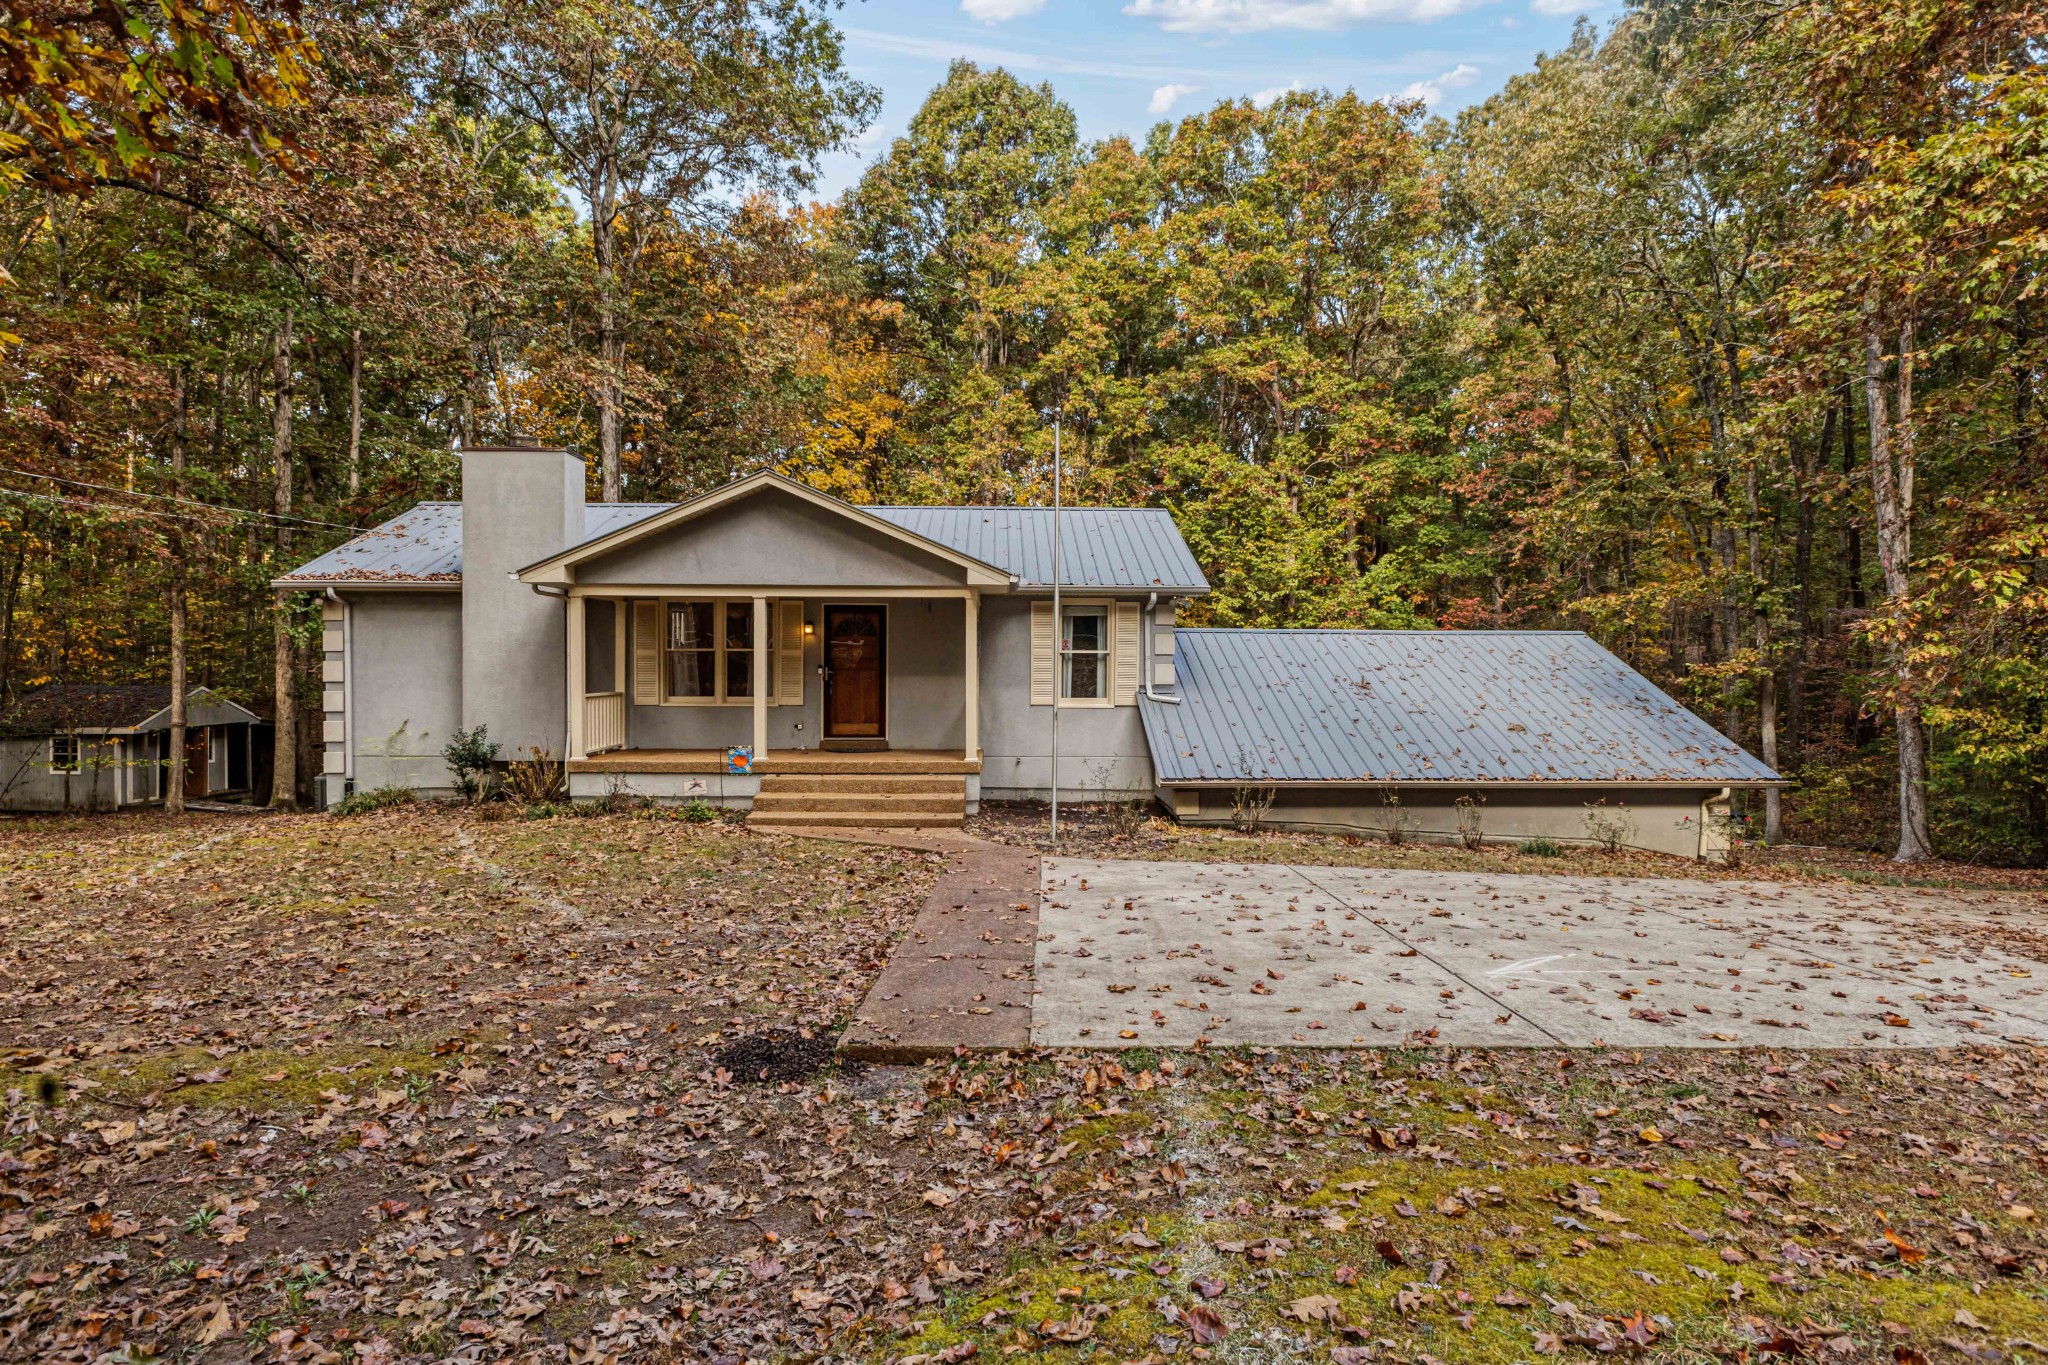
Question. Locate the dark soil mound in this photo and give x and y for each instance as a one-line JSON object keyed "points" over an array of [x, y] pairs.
{"points": [[780, 1054]]}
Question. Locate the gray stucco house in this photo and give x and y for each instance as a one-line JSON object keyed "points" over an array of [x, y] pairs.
{"points": [[881, 664]]}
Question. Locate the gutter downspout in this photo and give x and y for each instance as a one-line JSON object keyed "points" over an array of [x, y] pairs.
{"points": [[348, 694], [1152, 625]]}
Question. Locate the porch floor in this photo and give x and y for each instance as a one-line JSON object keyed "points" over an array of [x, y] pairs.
{"points": [[779, 761]]}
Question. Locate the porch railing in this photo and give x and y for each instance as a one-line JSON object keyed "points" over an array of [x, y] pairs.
{"points": [[604, 721]]}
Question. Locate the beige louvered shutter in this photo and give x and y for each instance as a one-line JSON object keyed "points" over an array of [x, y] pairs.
{"points": [[789, 654], [1044, 654], [1125, 655], [647, 653]]}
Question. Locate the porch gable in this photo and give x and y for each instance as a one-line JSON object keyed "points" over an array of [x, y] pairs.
{"points": [[764, 533]]}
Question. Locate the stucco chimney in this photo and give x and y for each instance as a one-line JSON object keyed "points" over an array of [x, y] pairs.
{"points": [[519, 504]]}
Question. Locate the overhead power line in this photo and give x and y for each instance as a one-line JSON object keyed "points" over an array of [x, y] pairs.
{"points": [[190, 502]]}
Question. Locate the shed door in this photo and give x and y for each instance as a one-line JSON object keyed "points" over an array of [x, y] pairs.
{"points": [[854, 679], [196, 754]]}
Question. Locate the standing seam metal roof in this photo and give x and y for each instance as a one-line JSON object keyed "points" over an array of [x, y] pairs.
{"points": [[1101, 547], [1425, 706]]}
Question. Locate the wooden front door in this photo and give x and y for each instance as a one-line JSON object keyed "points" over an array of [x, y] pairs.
{"points": [[195, 762], [854, 679]]}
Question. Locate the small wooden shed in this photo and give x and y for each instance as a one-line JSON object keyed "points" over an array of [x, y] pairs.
{"points": [[106, 746]]}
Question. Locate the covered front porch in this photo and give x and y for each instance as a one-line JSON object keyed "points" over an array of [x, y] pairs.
{"points": [[664, 680]]}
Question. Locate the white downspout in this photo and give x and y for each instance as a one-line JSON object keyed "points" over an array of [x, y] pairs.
{"points": [[348, 691], [1151, 631]]}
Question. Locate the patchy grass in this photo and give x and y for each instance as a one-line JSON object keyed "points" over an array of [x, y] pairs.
{"points": [[266, 1152], [265, 1079], [1392, 1204]]}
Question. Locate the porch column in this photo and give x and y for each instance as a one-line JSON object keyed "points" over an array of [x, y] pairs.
{"points": [[577, 644], [760, 678], [972, 743]]}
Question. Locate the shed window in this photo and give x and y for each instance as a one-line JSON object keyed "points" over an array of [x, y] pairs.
{"points": [[63, 753], [1084, 653]]}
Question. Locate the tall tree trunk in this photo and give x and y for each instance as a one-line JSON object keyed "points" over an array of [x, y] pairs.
{"points": [[1891, 486], [1806, 462], [355, 392], [174, 780], [284, 780], [1852, 529], [1767, 681], [611, 346]]}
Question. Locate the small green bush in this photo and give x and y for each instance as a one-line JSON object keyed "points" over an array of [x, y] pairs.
{"points": [[1540, 847], [472, 757], [373, 798], [700, 812]]}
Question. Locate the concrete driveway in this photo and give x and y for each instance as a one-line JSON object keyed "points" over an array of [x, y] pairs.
{"points": [[1134, 954]]}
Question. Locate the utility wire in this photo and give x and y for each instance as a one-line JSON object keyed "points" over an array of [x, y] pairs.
{"points": [[192, 502], [76, 503], [79, 503]]}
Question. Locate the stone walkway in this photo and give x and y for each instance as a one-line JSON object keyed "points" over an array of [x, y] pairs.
{"points": [[1165, 954]]}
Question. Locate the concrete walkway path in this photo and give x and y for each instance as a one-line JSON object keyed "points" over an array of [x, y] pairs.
{"points": [[1164, 954], [962, 975]]}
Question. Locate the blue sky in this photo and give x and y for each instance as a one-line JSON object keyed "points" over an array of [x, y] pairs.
{"points": [[1126, 64]]}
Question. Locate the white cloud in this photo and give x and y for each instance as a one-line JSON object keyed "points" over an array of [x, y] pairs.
{"points": [[1014, 56], [1262, 98], [995, 11], [1558, 9], [1431, 91], [1252, 16], [1166, 96]]}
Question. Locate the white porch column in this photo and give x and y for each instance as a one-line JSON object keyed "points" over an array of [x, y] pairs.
{"points": [[760, 678], [577, 644], [972, 654]]}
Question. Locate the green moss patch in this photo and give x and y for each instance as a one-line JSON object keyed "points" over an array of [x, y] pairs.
{"points": [[266, 1078]]}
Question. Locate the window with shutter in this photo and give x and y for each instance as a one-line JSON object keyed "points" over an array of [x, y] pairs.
{"points": [[789, 682], [1043, 657], [1127, 654], [647, 638]]}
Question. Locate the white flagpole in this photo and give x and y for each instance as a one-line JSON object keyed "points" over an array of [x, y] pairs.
{"points": [[1059, 626]]}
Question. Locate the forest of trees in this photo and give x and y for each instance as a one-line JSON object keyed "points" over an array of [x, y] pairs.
{"points": [[1717, 334]]}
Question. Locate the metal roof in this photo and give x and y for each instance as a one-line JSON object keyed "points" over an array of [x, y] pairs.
{"points": [[1100, 547], [1279, 706], [57, 707], [424, 545]]}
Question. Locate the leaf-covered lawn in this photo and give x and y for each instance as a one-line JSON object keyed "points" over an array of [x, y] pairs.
{"points": [[425, 1085]]}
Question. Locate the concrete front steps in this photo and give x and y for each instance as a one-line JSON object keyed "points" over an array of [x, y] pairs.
{"points": [[870, 800]]}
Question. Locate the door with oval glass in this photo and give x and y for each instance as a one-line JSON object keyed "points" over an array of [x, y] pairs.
{"points": [[855, 673]]}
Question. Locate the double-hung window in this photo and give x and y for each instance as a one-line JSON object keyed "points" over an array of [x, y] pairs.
{"points": [[710, 651], [1084, 653]]}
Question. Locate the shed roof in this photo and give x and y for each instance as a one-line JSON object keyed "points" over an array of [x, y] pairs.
{"points": [[1375, 706], [1132, 548], [59, 707]]}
